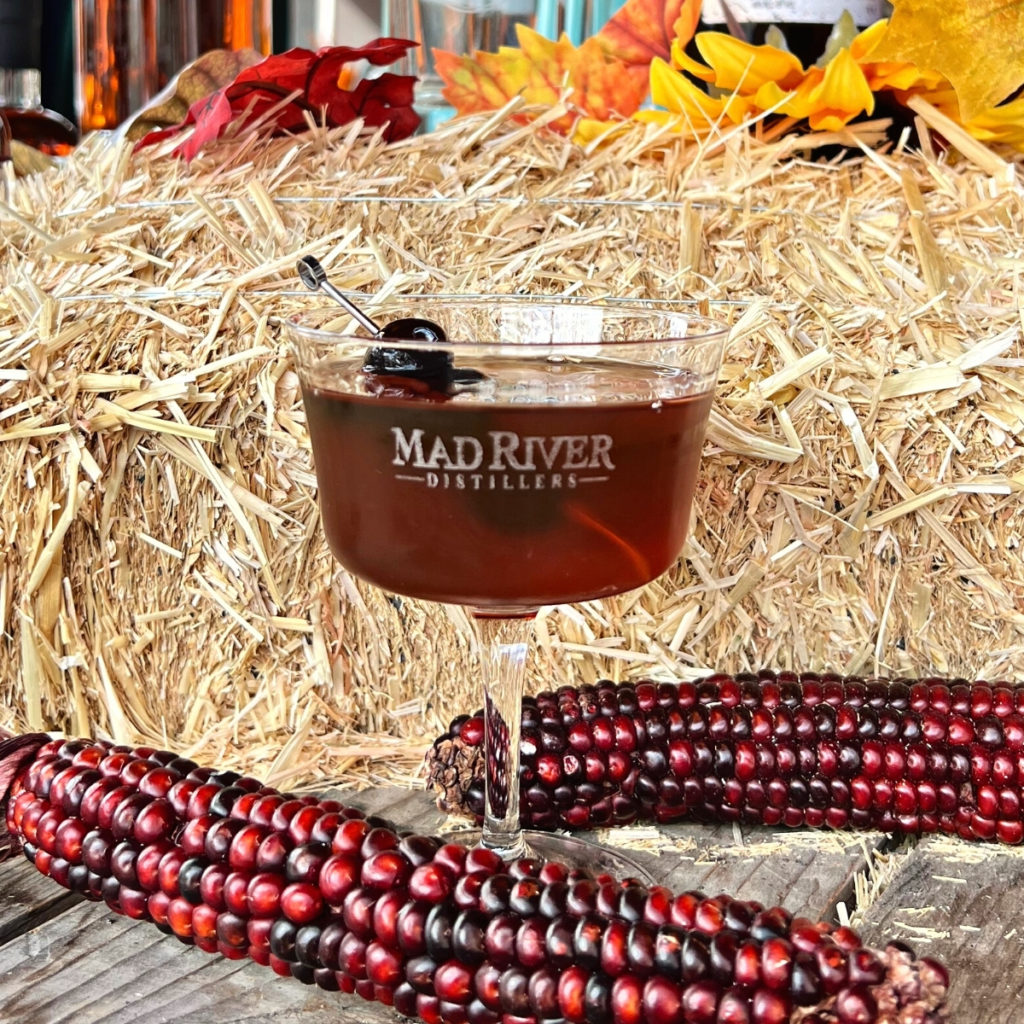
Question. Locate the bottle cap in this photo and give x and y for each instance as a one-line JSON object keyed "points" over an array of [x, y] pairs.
{"points": [[21, 34]]}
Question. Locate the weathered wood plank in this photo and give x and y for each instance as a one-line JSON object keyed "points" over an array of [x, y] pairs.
{"points": [[962, 904], [27, 898], [88, 966]]}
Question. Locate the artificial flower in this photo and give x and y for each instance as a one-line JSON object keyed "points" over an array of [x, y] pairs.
{"points": [[889, 74], [1001, 125], [720, 81], [744, 80], [832, 97], [739, 66]]}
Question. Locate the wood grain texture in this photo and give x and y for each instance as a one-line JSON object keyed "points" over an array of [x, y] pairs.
{"points": [[962, 904], [27, 898], [89, 966]]}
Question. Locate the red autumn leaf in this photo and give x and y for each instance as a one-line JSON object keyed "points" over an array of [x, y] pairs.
{"points": [[282, 88], [644, 29]]}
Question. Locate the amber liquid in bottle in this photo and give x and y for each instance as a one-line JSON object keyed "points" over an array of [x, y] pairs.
{"points": [[129, 49], [42, 129], [117, 60], [235, 25], [25, 119]]}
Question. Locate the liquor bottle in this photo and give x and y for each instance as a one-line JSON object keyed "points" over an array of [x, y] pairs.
{"points": [[117, 67], [805, 25], [59, 57], [7, 177], [26, 119]]}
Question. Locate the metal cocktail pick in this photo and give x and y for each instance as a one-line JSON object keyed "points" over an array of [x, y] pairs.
{"points": [[314, 277]]}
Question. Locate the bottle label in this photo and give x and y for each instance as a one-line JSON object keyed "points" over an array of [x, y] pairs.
{"points": [[865, 12]]}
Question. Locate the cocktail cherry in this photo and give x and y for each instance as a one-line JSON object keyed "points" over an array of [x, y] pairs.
{"points": [[433, 368]]}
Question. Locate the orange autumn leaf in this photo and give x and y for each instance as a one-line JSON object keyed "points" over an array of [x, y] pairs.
{"points": [[644, 29], [975, 44], [542, 71]]}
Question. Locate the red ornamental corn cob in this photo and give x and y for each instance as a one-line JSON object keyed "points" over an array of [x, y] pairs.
{"points": [[439, 931], [774, 748]]}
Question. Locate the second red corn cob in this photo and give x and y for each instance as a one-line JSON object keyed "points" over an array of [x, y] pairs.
{"points": [[809, 750], [318, 892]]}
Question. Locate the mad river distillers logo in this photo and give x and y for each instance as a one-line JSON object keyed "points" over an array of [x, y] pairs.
{"points": [[502, 460]]}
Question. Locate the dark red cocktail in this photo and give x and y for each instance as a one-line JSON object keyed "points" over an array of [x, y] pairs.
{"points": [[544, 452], [509, 505]]}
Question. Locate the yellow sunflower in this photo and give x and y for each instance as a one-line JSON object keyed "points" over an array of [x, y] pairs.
{"points": [[741, 80]]}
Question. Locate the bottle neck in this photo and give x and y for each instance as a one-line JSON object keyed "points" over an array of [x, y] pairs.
{"points": [[21, 88]]}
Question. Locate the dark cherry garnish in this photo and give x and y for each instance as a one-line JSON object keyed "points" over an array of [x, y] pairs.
{"points": [[390, 372], [411, 328], [433, 369]]}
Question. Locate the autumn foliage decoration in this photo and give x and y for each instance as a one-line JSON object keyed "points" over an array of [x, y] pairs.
{"points": [[602, 82], [286, 91], [964, 57]]}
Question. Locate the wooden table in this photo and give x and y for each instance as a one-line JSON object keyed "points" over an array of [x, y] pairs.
{"points": [[67, 961]]}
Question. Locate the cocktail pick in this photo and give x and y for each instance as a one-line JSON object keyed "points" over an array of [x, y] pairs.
{"points": [[314, 277]]}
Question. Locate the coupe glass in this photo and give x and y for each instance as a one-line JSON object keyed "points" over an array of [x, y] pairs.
{"points": [[547, 454]]}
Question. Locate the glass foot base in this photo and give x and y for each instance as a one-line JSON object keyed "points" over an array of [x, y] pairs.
{"points": [[573, 852], [583, 853]]}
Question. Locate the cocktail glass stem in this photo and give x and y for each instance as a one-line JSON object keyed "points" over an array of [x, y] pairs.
{"points": [[504, 647]]}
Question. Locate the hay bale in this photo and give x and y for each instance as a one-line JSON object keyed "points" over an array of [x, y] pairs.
{"points": [[163, 576]]}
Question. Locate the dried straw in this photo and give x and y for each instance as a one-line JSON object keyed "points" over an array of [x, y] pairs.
{"points": [[163, 577]]}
